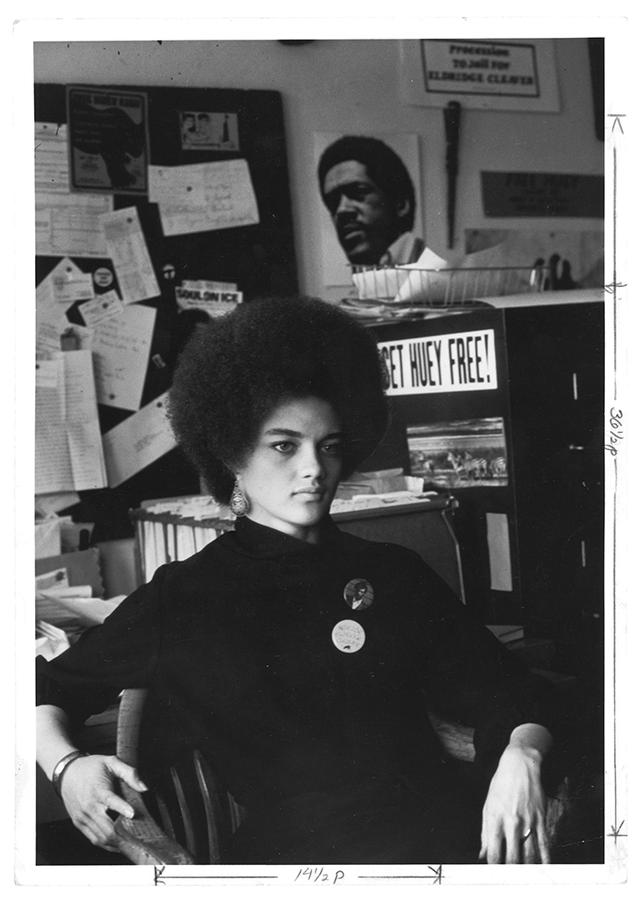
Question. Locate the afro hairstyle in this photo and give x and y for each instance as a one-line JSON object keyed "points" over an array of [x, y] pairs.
{"points": [[236, 369], [383, 164]]}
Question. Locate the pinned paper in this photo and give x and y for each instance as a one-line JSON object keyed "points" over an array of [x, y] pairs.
{"points": [[129, 254], [69, 289], [82, 335], [138, 441], [68, 445], [100, 308], [202, 284], [203, 197], [49, 374], [48, 334], [47, 538], [69, 224], [121, 347], [51, 158], [214, 303], [64, 271]]}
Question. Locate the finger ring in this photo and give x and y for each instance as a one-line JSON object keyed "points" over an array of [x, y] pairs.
{"points": [[525, 836]]}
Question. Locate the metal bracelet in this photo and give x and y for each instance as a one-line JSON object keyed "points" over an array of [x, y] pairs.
{"points": [[61, 767]]}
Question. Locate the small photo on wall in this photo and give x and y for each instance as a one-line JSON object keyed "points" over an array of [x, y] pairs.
{"points": [[460, 454], [204, 130], [368, 201]]}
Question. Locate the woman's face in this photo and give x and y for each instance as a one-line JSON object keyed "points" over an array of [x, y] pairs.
{"points": [[291, 475]]}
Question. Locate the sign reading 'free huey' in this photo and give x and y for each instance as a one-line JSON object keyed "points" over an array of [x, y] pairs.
{"points": [[465, 361]]}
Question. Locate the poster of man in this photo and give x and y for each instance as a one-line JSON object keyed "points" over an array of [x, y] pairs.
{"points": [[369, 189]]}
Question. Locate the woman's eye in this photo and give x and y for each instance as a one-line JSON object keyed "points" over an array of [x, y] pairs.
{"points": [[332, 449], [283, 446]]}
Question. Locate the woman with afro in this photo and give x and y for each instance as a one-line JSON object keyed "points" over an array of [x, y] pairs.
{"points": [[310, 704]]}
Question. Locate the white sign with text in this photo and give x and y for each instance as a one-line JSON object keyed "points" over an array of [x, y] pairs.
{"points": [[437, 364]]}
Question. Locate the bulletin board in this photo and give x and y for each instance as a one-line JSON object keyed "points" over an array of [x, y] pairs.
{"points": [[167, 128]]}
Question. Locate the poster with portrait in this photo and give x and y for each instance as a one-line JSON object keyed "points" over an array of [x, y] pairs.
{"points": [[368, 201], [108, 141]]}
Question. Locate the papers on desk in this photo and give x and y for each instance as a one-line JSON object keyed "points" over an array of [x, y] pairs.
{"points": [[69, 454], [55, 578], [380, 501], [50, 641], [64, 612], [73, 608], [138, 441], [375, 490], [204, 196]]}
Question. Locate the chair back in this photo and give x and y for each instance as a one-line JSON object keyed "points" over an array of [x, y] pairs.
{"points": [[193, 813]]}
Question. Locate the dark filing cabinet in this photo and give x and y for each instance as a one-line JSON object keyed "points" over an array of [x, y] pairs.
{"points": [[503, 408]]}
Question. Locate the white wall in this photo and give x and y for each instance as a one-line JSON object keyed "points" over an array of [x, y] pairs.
{"points": [[352, 86]]}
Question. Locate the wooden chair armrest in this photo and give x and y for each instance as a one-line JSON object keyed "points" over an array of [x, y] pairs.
{"points": [[142, 840], [456, 739]]}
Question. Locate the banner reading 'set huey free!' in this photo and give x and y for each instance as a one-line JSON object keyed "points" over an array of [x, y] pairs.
{"points": [[463, 361]]}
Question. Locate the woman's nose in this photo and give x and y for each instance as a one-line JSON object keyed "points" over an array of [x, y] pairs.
{"points": [[311, 464]]}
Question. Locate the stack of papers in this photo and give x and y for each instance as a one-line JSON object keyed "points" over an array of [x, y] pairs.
{"points": [[196, 506], [72, 608], [50, 641], [379, 501]]}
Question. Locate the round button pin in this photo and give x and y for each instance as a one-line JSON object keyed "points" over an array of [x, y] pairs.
{"points": [[358, 594], [348, 636]]}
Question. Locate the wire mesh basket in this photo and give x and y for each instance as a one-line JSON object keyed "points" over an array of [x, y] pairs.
{"points": [[437, 288]]}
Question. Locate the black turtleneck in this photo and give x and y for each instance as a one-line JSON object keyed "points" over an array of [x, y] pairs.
{"points": [[236, 647]]}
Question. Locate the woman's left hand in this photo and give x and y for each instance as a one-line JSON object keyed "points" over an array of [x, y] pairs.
{"points": [[513, 817]]}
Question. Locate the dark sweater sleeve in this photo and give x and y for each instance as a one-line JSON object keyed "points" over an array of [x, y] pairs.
{"points": [[120, 653], [469, 675]]}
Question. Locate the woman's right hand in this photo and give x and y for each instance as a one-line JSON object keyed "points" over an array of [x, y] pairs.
{"points": [[88, 790]]}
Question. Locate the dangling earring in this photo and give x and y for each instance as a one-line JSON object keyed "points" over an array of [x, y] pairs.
{"points": [[239, 504]]}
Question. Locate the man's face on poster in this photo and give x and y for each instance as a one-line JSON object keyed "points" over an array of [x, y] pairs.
{"points": [[366, 219]]}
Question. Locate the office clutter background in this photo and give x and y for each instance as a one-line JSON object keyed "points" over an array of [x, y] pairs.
{"points": [[168, 197]]}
